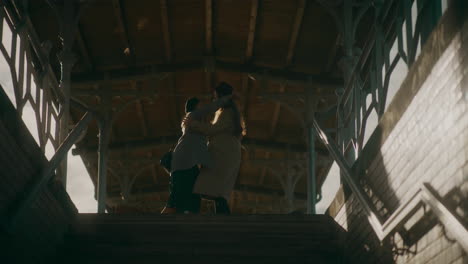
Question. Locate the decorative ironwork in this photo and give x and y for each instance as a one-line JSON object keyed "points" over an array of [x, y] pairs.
{"points": [[34, 88], [395, 38]]}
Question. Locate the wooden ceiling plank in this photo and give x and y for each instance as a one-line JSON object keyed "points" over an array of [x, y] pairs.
{"points": [[165, 29], [252, 28], [295, 31], [209, 26], [123, 32]]}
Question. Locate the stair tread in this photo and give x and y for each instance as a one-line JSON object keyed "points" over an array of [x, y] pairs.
{"points": [[190, 237]]}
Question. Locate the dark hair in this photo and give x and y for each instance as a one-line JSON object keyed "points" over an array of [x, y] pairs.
{"points": [[191, 104], [224, 89]]}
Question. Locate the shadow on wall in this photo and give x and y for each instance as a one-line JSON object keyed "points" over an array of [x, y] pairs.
{"points": [[364, 245], [421, 232]]}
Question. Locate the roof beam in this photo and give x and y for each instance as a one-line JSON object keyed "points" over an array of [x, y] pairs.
{"points": [[164, 141], [112, 92], [165, 29], [123, 32], [162, 71], [295, 31], [252, 28]]}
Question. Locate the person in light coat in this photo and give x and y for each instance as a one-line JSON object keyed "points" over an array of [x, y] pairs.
{"points": [[224, 144], [190, 152]]}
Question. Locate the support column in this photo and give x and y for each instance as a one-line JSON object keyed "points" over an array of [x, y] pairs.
{"points": [[105, 123], [311, 178], [68, 25], [289, 184]]}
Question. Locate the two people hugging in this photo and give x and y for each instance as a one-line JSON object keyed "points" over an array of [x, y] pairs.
{"points": [[206, 160]]}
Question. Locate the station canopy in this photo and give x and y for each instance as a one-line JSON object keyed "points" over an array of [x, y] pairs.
{"points": [[150, 56]]}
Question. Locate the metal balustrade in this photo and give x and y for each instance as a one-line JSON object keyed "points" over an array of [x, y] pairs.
{"points": [[398, 34]]}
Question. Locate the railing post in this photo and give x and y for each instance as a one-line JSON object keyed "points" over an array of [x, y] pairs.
{"points": [[68, 15], [105, 123]]}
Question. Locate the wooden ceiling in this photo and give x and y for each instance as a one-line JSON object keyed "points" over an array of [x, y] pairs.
{"points": [[153, 55]]}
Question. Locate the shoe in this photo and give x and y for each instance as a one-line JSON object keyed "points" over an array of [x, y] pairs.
{"points": [[168, 211]]}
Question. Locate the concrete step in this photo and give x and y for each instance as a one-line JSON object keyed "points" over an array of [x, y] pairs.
{"points": [[204, 239]]}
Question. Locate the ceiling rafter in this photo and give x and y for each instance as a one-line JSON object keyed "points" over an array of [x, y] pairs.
{"points": [[165, 29], [88, 63], [252, 29], [208, 42], [295, 31], [122, 28], [168, 54], [209, 27]]}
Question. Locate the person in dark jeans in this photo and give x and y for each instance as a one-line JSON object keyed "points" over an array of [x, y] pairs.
{"points": [[181, 196], [190, 153]]}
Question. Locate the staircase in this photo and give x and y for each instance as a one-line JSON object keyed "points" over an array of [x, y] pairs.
{"points": [[203, 239]]}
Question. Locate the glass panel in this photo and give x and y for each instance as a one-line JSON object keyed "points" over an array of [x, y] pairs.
{"points": [[49, 150], [5, 80], [80, 187], [29, 119], [6, 37]]}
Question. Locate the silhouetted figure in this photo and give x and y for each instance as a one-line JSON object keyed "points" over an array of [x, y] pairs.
{"points": [[225, 133], [190, 152]]}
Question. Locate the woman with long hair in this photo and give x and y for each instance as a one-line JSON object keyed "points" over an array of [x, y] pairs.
{"points": [[224, 144]]}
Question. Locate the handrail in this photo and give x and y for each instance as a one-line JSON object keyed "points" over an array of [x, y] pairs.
{"points": [[425, 194], [47, 172]]}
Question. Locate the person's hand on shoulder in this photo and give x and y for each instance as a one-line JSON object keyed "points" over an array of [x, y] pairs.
{"points": [[186, 121]]}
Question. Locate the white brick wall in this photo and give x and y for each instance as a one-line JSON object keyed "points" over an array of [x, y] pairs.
{"points": [[428, 144]]}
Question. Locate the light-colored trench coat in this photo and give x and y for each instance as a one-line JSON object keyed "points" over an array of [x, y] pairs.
{"points": [[225, 149]]}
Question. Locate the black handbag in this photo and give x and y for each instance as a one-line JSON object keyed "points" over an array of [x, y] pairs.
{"points": [[166, 161]]}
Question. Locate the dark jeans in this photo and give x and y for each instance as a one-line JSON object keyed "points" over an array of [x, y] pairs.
{"points": [[181, 196], [222, 206]]}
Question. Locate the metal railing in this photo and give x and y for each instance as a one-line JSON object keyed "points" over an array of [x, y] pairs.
{"points": [[425, 194], [402, 26]]}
